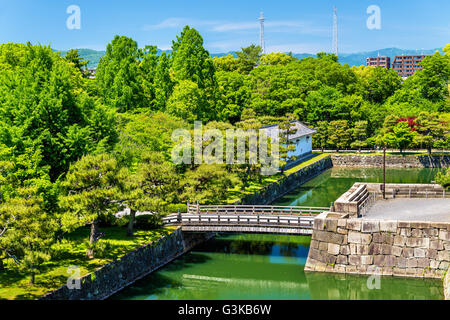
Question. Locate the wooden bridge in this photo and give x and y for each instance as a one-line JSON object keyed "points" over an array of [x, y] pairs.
{"points": [[246, 219]]}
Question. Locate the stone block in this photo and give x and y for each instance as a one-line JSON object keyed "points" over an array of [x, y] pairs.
{"points": [[411, 263], [423, 263], [370, 226], [319, 223], [378, 237], [399, 240], [366, 260], [342, 260], [388, 226], [390, 261], [431, 253], [331, 225], [408, 252], [437, 244], [354, 260], [333, 249], [416, 233], [444, 234], [444, 255], [379, 260], [406, 232], [342, 230], [401, 262], [353, 224], [314, 244], [397, 251], [342, 223], [366, 238], [419, 253], [323, 246], [345, 250], [328, 237], [354, 237], [375, 248], [386, 249], [444, 265], [434, 264], [418, 242]]}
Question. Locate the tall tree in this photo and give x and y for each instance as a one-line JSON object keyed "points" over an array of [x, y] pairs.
{"points": [[93, 189], [249, 58], [74, 57], [340, 135], [359, 133]]}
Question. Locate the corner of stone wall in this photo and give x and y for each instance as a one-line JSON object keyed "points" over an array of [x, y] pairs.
{"points": [[391, 248]]}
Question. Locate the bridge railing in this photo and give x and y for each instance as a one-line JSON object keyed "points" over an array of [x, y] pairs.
{"points": [[254, 210], [232, 220]]}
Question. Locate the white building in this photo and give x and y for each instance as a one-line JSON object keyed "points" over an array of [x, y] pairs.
{"points": [[302, 138]]}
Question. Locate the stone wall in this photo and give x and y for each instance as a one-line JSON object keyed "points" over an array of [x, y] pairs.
{"points": [[278, 189], [395, 248], [392, 161], [123, 272], [447, 285]]}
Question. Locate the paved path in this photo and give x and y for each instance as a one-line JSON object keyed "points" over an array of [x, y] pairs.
{"points": [[436, 210]]}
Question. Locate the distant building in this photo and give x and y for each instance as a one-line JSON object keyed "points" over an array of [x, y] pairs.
{"points": [[407, 65], [302, 138], [92, 73], [379, 62]]}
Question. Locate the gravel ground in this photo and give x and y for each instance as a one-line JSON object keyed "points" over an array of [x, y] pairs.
{"points": [[436, 210]]}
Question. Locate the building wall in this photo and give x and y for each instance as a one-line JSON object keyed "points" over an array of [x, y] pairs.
{"points": [[394, 248], [303, 146]]}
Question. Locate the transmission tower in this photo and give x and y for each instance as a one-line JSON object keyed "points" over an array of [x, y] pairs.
{"points": [[335, 33], [262, 41]]}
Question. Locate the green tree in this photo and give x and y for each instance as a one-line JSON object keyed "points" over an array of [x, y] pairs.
{"points": [[30, 230], [340, 134], [443, 178], [74, 57], [119, 76], [151, 188], [208, 184], [93, 188], [163, 82], [249, 58], [359, 134], [188, 102], [431, 130], [400, 137], [320, 139]]}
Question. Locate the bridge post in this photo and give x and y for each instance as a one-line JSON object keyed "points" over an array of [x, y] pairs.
{"points": [[179, 218]]}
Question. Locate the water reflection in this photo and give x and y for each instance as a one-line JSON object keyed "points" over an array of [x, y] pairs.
{"points": [[264, 267]]}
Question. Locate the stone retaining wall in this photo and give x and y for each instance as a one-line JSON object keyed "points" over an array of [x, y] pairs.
{"points": [[392, 161], [394, 248], [278, 189], [123, 272]]}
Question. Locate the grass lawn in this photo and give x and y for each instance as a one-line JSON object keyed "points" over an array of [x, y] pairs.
{"points": [[71, 252], [237, 193]]}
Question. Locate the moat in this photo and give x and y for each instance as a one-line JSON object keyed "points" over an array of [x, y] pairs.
{"points": [[254, 266]]}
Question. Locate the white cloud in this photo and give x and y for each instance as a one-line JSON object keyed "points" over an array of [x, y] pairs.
{"points": [[177, 23]]}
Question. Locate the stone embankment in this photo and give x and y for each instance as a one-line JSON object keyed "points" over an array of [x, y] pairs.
{"points": [[392, 161], [123, 272], [395, 248]]}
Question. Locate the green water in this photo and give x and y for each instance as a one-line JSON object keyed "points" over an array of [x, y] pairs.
{"points": [[266, 267]]}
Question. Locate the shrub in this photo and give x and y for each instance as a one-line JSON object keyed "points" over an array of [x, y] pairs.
{"points": [[148, 222]]}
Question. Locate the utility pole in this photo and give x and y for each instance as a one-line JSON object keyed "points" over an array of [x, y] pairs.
{"points": [[262, 42]]}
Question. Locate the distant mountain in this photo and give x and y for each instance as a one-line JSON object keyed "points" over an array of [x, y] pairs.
{"points": [[352, 59]]}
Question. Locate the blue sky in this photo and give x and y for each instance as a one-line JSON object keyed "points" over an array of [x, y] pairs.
{"points": [[298, 26]]}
